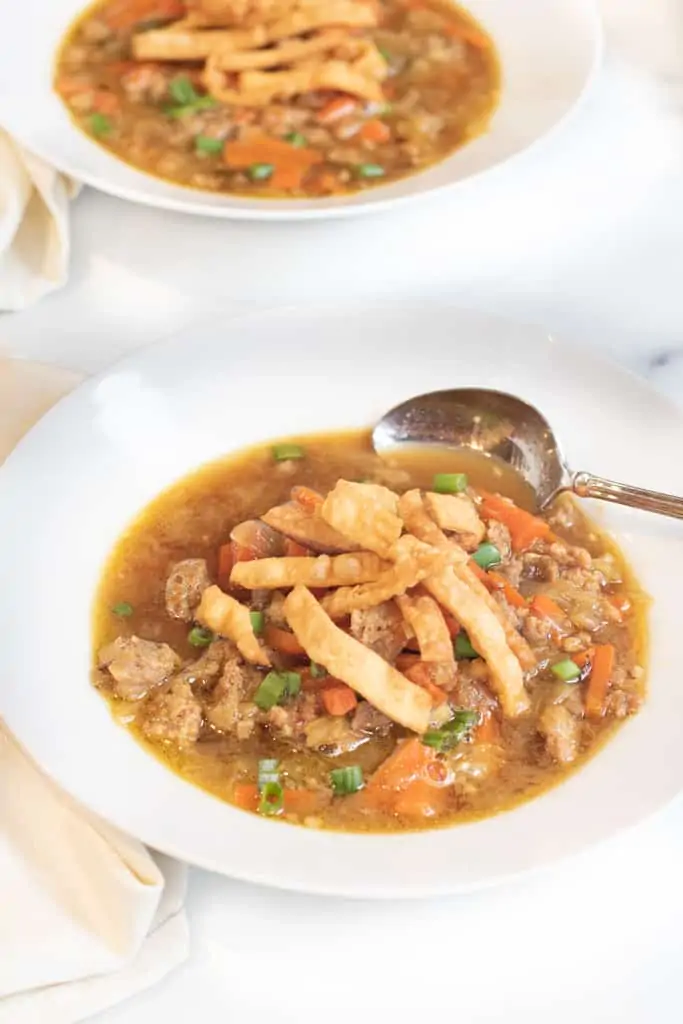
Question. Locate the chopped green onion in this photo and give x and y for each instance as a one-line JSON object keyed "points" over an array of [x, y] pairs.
{"points": [[258, 621], [272, 798], [487, 555], [100, 124], [275, 687], [450, 734], [207, 144], [296, 139], [566, 670], [449, 483], [261, 172], [123, 609], [283, 452], [370, 171], [268, 772], [347, 780], [463, 648], [200, 637], [385, 54], [201, 103], [317, 671], [182, 90]]}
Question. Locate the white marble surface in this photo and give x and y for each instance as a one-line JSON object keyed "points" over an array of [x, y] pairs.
{"points": [[584, 235]]}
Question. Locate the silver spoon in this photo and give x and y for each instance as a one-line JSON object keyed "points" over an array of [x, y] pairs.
{"points": [[505, 427]]}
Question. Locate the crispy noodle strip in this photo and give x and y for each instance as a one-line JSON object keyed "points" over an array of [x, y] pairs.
{"points": [[226, 616], [458, 513], [347, 659], [324, 571], [487, 636], [414, 561], [426, 622], [306, 527], [418, 522], [515, 640], [285, 53], [366, 513]]}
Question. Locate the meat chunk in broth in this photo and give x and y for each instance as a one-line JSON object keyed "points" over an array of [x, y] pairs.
{"points": [[136, 665], [381, 628], [562, 732], [172, 717], [186, 583]]}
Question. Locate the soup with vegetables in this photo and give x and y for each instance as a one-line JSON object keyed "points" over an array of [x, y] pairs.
{"points": [[318, 634], [277, 98]]}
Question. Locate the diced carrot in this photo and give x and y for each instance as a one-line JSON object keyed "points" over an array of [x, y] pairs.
{"points": [[375, 131], [419, 673], [304, 801], [469, 34], [421, 799], [225, 564], [240, 154], [105, 102], [408, 762], [295, 550], [339, 699], [123, 14], [599, 680], [524, 528], [71, 85], [245, 795], [452, 624], [288, 176], [488, 731], [327, 182], [545, 608], [480, 573], [307, 498], [281, 640], [584, 657], [510, 593], [406, 661], [335, 109]]}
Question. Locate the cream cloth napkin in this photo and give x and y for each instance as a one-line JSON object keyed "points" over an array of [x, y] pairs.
{"points": [[34, 226], [88, 917]]}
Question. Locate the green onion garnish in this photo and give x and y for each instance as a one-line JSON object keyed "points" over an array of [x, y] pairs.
{"points": [[275, 687], [370, 171], [317, 671], [347, 780], [449, 483], [100, 124], [207, 144], [182, 90], [463, 648], [200, 637], [258, 621], [201, 103], [123, 609], [261, 172], [283, 452], [385, 54], [296, 139], [450, 734], [268, 772], [487, 555], [272, 798], [566, 670]]}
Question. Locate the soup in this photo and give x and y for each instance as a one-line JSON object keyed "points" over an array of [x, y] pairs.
{"points": [[276, 99], [320, 635]]}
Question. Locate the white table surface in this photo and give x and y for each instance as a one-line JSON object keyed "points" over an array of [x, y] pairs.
{"points": [[584, 235]]}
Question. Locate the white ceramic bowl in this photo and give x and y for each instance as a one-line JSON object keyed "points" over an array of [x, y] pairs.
{"points": [[78, 478], [549, 50]]}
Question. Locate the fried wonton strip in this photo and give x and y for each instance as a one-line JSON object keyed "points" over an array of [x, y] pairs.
{"points": [[165, 44], [425, 619], [515, 640], [259, 88], [418, 522], [457, 513], [224, 13], [347, 659], [414, 561], [224, 615], [362, 512], [306, 527], [285, 53], [487, 636], [323, 571]]}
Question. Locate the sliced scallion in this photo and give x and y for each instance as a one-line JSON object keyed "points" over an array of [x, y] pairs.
{"points": [[272, 798], [201, 103], [370, 171], [275, 687], [200, 637], [450, 734], [100, 125], [566, 670], [207, 144], [317, 671], [261, 172], [449, 483], [182, 90], [487, 555], [123, 609], [258, 621], [463, 648], [347, 780], [283, 452], [296, 139], [268, 771]]}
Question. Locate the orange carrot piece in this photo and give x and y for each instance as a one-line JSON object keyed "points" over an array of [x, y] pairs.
{"points": [[408, 762], [295, 550], [510, 593], [245, 795], [480, 573], [406, 661], [421, 799], [338, 699], [304, 801], [328, 182], [225, 564], [599, 680], [375, 131], [545, 608], [307, 498], [584, 657], [105, 102], [452, 624], [335, 109], [240, 154], [420, 674], [524, 528], [488, 731], [281, 640]]}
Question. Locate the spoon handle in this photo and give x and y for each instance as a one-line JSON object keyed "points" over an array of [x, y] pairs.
{"points": [[588, 486]]}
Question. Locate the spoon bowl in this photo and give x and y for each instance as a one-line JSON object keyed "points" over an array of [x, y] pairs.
{"points": [[502, 426]]}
